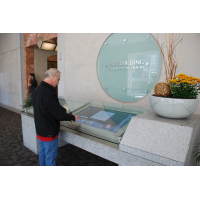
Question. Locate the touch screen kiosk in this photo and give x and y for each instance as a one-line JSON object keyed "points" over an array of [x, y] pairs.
{"points": [[99, 119], [103, 120]]}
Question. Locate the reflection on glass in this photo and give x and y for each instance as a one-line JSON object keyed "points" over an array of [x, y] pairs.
{"points": [[109, 120], [103, 120]]}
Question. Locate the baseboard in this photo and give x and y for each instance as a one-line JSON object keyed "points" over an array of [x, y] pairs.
{"points": [[10, 108]]}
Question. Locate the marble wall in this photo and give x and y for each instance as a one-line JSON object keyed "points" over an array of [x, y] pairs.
{"points": [[77, 56], [30, 39], [11, 70]]}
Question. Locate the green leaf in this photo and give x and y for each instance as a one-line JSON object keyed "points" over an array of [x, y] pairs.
{"points": [[196, 154], [196, 150], [198, 159]]}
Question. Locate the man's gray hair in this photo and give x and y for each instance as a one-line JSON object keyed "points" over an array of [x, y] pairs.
{"points": [[50, 72]]}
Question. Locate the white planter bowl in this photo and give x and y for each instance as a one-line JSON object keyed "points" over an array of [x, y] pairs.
{"points": [[173, 108]]}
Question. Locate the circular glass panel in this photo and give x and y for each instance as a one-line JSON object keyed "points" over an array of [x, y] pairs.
{"points": [[129, 65]]}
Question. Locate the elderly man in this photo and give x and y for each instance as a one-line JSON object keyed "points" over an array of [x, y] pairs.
{"points": [[47, 115]]}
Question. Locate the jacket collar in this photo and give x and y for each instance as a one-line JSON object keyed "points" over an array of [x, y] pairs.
{"points": [[47, 85]]}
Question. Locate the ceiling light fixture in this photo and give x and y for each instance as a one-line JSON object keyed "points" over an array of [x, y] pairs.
{"points": [[46, 45]]}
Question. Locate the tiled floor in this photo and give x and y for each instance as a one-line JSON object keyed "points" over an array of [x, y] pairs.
{"points": [[14, 153]]}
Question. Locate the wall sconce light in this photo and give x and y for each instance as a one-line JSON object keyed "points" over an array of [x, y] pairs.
{"points": [[46, 45]]}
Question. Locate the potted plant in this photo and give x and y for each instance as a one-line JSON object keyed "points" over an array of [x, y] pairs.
{"points": [[197, 153], [27, 102], [177, 97], [181, 100]]}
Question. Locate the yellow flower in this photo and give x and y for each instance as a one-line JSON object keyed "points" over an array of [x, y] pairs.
{"points": [[176, 81], [171, 80], [183, 81], [180, 76], [191, 78]]}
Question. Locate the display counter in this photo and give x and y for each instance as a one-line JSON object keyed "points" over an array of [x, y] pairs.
{"points": [[126, 135], [105, 121]]}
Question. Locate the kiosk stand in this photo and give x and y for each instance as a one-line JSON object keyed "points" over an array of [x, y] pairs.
{"points": [[139, 138]]}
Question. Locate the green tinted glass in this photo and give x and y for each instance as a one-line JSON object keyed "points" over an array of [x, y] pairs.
{"points": [[129, 65]]}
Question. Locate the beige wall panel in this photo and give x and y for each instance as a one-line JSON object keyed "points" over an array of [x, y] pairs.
{"points": [[14, 73], [18, 64], [61, 58], [20, 97], [14, 101], [61, 88], [6, 72], [10, 68], [1, 83], [22, 63], [5, 98], [21, 74], [11, 41], [15, 87], [10, 72], [2, 42], [23, 90]]}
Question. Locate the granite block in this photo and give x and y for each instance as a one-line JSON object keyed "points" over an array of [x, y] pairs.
{"points": [[101, 150], [71, 138], [27, 119], [126, 159], [190, 121], [94, 147], [151, 157], [167, 140], [29, 137]]}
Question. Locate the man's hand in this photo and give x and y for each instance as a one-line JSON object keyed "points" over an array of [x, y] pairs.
{"points": [[76, 117]]}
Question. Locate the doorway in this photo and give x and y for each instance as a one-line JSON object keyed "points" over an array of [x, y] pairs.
{"points": [[52, 63]]}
